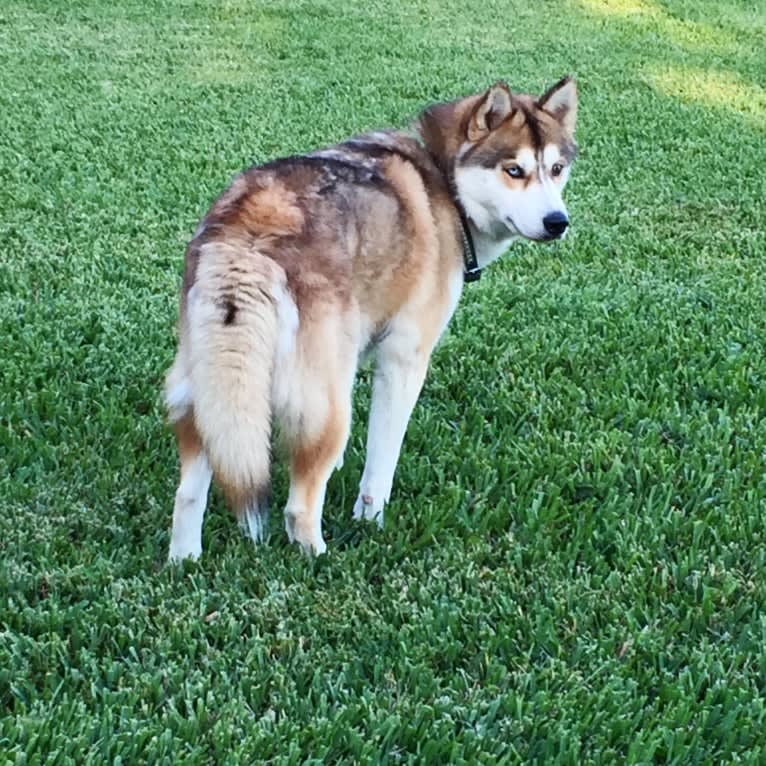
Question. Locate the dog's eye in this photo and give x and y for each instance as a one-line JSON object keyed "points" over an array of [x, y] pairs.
{"points": [[557, 169], [515, 171]]}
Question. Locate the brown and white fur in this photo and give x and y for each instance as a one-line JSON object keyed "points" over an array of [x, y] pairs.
{"points": [[304, 263]]}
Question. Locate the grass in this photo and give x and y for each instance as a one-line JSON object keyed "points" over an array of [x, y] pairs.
{"points": [[573, 568]]}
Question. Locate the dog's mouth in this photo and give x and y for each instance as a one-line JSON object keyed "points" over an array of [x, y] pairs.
{"points": [[551, 237], [512, 227]]}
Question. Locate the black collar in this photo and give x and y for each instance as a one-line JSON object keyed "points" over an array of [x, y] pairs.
{"points": [[471, 270]]}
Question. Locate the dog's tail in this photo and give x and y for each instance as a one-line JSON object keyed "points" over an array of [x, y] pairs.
{"points": [[232, 325]]}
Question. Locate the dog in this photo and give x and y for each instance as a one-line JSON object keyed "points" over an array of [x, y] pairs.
{"points": [[304, 264]]}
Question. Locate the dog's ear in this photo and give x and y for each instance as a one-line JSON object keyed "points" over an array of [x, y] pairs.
{"points": [[492, 110], [561, 102]]}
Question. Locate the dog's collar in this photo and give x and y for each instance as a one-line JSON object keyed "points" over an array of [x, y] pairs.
{"points": [[471, 270]]}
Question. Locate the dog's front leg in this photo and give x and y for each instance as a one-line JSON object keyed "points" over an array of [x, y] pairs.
{"points": [[401, 369]]}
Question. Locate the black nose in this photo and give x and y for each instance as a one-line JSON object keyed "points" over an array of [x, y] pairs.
{"points": [[556, 223]]}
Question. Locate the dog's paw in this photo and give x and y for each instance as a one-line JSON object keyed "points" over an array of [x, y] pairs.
{"points": [[312, 545], [306, 535], [369, 508], [180, 552]]}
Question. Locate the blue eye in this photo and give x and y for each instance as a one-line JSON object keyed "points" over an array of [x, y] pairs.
{"points": [[515, 171]]}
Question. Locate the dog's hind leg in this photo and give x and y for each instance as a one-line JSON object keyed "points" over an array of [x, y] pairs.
{"points": [[191, 496], [310, 467], [401, 369], [317, 428]]}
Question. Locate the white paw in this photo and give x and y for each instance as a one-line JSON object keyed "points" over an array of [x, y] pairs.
{"points": [[315, 547], [312, 544], [180, 551], [306, 535], [369, 508]]}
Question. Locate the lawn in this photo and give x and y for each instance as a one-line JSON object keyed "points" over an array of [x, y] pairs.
{"points": [[573, 566]]}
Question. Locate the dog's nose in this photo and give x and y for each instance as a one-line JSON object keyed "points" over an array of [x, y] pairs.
{"points": [[556, 223]]}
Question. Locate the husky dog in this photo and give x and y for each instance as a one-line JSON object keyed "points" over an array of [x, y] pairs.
{"points": [[304, 263]]}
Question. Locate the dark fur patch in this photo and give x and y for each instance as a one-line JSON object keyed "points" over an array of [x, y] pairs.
{"points": [[346, 171], [534, 127], [231, 313], [414, 155], [259, 499]]}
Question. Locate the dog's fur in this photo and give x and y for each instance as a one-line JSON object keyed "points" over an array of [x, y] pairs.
{"points": [[304, 263]]}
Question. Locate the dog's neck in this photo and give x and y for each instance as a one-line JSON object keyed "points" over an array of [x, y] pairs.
{"points": [[442, 129]]}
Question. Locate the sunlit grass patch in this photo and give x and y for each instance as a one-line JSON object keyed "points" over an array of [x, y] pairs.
{"points": [[653, 17], [622, 7], [712, 88]]}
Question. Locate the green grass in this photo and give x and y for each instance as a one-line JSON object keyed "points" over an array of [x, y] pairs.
{"points": [[573, 568]]}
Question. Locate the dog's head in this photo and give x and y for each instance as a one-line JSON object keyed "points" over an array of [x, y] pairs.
{"points": [[515, 159]]}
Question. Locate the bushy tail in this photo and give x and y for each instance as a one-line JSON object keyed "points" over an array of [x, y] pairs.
{"points": [[232, 333]]}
